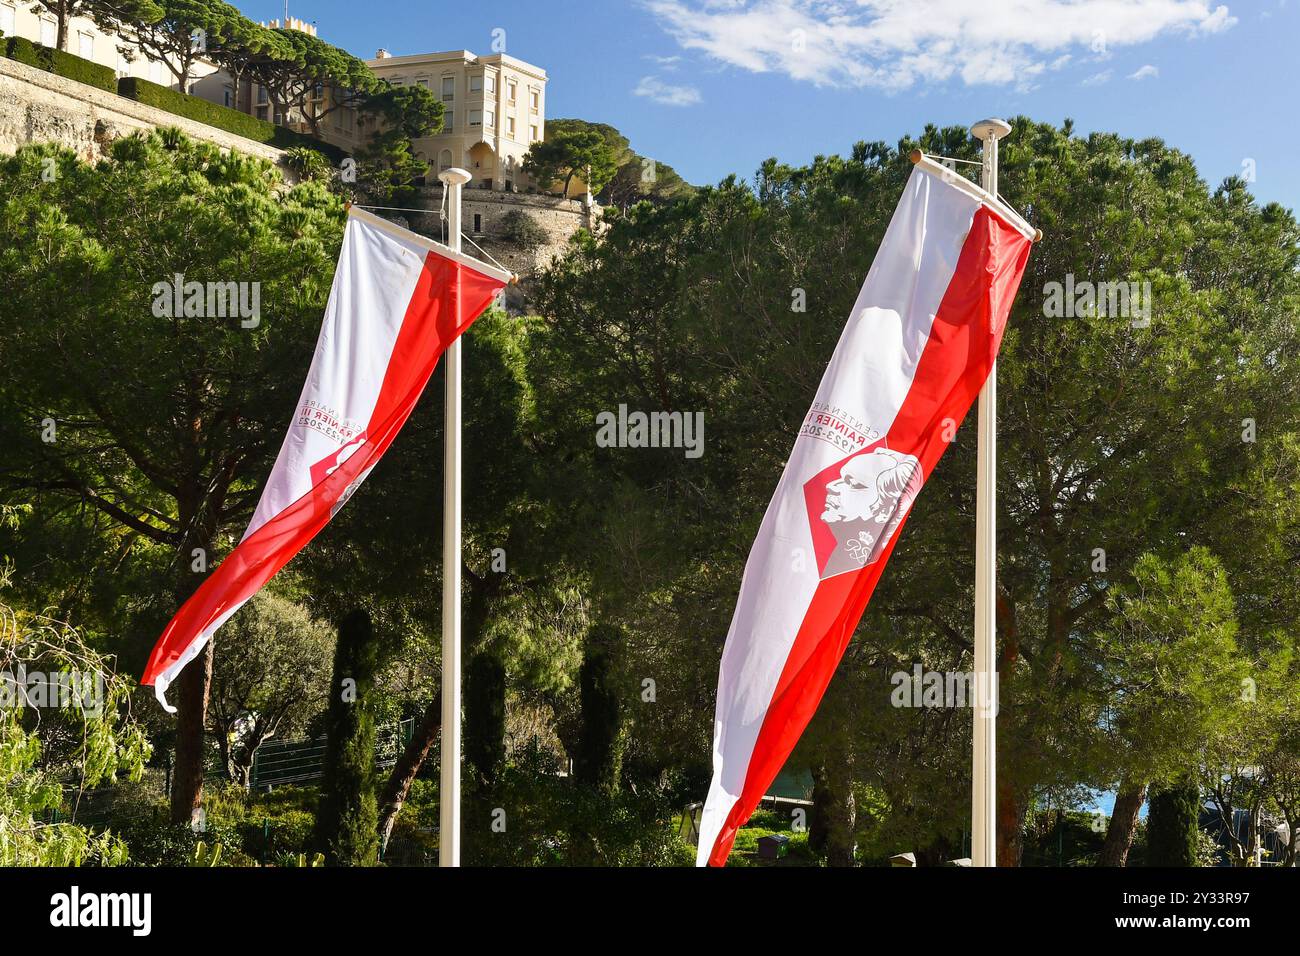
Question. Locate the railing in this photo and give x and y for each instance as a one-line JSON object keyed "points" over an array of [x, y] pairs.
{"points": [[297, 761]]}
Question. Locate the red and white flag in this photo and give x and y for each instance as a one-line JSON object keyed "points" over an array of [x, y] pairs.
{"points": [[397, 302], [918, 346]]}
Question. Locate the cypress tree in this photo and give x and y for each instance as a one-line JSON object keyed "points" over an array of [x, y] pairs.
{"points": [[347, 817], [1172, 820], [599, 761]]}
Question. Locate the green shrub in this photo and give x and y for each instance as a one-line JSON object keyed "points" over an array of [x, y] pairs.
{"points": [[220, 117], [199, 110], [519, 228], [284, 138], [555, 821], [307, 162], [61, 64], [151, 843], [274, 837], [23, 50], [75, 68]]}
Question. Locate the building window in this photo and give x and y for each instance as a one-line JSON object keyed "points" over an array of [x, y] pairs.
{"points": [[399, 81], [262, 98], [475, 117], [318, 91], [49, 33], [7, 15], [261, 112], [491, 83], [476, 83], [444, 160], [510, 125], [448, 121], [158, 73], [448, 89], [532, 134], [86, 45], [478, 223], [510, 92], [123, 64], [422, 81], [491, 118], [228, 96], [533, 99]]}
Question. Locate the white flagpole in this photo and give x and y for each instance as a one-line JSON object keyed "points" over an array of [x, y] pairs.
{"points": [[984, 737], [449, 781]]}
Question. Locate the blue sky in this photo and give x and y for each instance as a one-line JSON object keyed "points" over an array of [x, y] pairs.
{"points": [[714, 87]]}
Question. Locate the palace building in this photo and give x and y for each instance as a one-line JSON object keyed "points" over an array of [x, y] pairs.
{"points": [[495, 108]]}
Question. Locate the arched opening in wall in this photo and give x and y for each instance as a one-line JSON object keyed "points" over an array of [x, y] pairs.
{"points": [[444, 160], [482, 164], [508, 173]]}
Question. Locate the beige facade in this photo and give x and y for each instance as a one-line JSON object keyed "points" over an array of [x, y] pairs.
{"points": [[89, 42], [495, 105], [495, 110]]}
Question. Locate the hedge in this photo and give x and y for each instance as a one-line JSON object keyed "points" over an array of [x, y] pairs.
{"points": [[151, 94], [195, 108], [22, 50], [222, 117], [60, 63]]}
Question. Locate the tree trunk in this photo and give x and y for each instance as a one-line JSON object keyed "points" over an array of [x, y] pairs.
{"points": [[1012, 805], [1254, 833], [407, 768], [192, 708], [194, 683], [1123, 822]]}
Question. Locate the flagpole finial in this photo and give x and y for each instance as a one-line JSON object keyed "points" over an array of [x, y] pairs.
{"points": [[1038, 235], [991, 128], [916, 156], [455, 176]]}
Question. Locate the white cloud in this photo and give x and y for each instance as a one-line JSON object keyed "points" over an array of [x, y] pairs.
{"points": [[1097, 79], [897, 44], [666, 63], [667, 94], [1145, 73]]}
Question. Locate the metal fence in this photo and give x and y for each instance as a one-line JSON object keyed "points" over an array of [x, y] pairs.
{"points": [[297, 761]]}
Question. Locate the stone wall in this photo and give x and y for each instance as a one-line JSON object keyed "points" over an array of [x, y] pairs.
{"points": [[40, 107], [484, 221]]}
